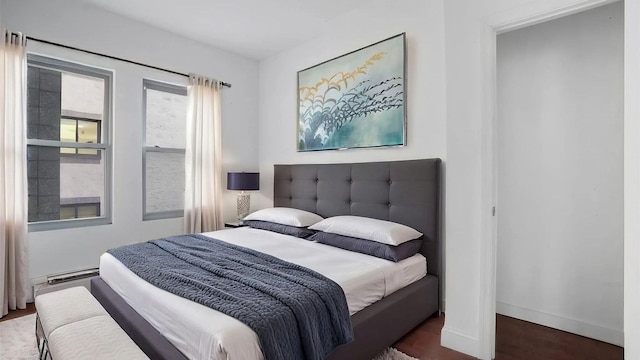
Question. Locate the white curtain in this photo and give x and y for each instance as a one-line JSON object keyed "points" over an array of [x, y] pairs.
{"points": [[13, 180], [203, 160]]}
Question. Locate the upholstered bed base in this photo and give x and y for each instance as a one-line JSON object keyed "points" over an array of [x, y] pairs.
{"points": [[139, 330], [375, 327], [385, 322]]}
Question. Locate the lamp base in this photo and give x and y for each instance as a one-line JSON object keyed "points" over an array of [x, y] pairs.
{"points": [[244, 202]]}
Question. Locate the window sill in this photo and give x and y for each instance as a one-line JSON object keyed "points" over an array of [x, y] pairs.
{"points": [[163, 215], [67, 224]]}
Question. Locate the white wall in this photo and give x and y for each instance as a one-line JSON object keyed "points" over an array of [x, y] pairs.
{"points": [[631, 179], [560, 173], [469, 60], [81, 25], [423, 23]]}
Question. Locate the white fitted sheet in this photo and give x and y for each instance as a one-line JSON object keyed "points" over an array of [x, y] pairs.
{"points": [[200, 332]]}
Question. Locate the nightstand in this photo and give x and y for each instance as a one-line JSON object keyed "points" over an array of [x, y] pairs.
{"points": [[234, 224]]}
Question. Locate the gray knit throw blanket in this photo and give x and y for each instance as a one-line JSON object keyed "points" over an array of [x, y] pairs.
{"points": [[297, 313]]}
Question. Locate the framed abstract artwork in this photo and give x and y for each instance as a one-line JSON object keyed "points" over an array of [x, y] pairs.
{"points": [[356, 100]]}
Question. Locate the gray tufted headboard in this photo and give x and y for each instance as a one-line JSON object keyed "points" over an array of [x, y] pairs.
{"points": [[406, 192]]}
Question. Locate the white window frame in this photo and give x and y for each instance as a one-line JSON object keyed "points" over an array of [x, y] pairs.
{"points": [[44, 62], [173, 89]]}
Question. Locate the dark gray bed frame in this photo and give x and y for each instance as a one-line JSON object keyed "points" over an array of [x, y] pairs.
{"points": [[406, 192]]}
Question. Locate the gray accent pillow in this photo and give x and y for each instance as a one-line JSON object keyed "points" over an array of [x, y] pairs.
{"points": [[369, 247], [301, 232]]}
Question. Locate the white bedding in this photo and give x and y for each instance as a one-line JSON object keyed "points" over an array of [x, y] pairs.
{"points": [[200, 332]]}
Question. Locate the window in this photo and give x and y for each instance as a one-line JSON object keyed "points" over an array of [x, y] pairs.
{"points": [[80, 208], [68, 147], [164, 148], [82, 131]]}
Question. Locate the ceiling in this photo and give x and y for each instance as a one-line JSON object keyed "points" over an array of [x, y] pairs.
{"points": [[253, 28]]}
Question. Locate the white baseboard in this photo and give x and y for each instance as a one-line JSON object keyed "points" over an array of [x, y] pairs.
{"points": [[457, 341], [608, 335]]}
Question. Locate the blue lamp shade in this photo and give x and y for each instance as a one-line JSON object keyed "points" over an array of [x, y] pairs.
{"points": [[243, 181]]}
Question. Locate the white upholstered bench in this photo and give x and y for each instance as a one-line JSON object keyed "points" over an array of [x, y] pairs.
{"points": [[71, 324]]}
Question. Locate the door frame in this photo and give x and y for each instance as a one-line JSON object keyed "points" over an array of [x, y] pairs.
{"points": [[529, 14]]}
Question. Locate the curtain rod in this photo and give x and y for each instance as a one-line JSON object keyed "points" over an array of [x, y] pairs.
{"points": [[115, 58]]}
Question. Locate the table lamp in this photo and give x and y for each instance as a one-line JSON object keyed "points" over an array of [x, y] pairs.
{"points": [[243, 181]]}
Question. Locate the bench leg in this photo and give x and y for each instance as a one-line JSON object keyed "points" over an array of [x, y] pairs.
{"points": [[41, 341]]}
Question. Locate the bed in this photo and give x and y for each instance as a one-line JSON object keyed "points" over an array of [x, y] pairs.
{"points": [[406, 192]]}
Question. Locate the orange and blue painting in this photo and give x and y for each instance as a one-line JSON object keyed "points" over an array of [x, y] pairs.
{"points": [[356, 100]]}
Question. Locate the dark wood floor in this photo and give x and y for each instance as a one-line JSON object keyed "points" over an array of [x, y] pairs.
{"points": [[31, 308], [515, 340], [424, 342]]}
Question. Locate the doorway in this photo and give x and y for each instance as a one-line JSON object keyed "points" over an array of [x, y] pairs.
{"points": [[560, 174]]}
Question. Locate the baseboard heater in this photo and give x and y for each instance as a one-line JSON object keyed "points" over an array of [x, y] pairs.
{"points": [[75, 275]]}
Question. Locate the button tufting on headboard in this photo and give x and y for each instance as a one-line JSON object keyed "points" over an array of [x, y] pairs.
{"points": [[406, 192]]}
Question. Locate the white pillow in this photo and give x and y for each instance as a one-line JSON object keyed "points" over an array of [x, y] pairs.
{"points": [[285, 216], [381, 231]]}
